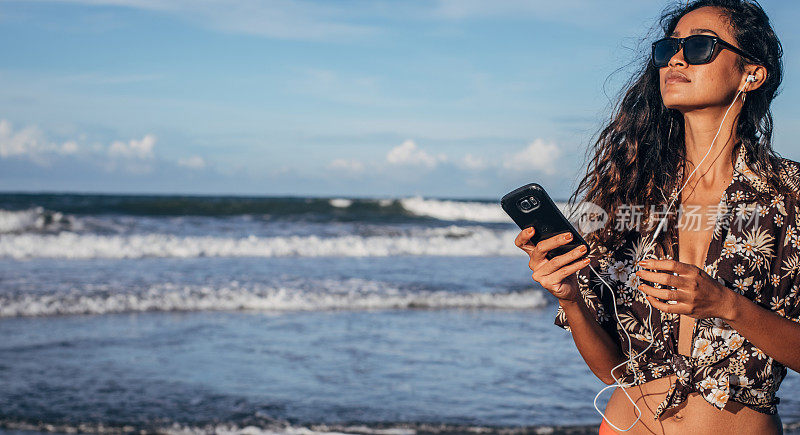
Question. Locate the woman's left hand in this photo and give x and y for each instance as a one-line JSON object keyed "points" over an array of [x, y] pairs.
{"points": [[696, 293]]}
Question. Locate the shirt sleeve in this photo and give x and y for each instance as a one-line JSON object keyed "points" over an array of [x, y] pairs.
{"points": [[598, 300], [785, 299]]}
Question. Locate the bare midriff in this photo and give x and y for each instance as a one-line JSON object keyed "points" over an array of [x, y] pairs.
{"points": [[693, 416]]}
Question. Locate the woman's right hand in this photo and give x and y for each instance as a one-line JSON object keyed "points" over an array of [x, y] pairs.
{"points": [[557, 275]]}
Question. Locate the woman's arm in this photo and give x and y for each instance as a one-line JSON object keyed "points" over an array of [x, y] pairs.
{"points": [[700, 296], [598, 350], [776, 336], [558, 276]]}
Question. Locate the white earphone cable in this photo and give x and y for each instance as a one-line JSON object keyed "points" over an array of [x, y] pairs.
{"points": [[650, 246]]}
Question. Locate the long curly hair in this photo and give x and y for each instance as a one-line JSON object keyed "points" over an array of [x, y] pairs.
{"points": [[638, 155]]}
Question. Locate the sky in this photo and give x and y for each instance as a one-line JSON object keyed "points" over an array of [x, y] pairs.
{"points": [[346, 98]]}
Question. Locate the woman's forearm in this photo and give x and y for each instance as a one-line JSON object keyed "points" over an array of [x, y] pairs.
{"points": [[597, 348], [776, 336]]}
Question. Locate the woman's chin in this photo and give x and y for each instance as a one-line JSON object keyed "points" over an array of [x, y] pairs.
{"points": [[679, 105]]}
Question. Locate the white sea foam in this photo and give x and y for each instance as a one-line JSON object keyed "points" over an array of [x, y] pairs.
{"points": [[277, 427], [455, 210], [460, 210], [340, 202], [288, 429], [17, 220], [33, 219], [445, 241], [325, 295]]}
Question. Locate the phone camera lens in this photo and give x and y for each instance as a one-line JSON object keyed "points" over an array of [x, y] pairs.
{"points": [[525, 205]]}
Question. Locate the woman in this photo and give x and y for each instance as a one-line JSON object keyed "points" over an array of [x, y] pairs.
{"points": [[724, 293]]}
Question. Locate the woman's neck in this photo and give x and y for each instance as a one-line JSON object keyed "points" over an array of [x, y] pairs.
{"points": [[701, 126]]}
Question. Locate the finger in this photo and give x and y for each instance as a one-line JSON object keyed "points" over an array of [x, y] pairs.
{"points": [[661, 278], [668, 265], [557, 262], [662, 293], [678, 308], [564, 272], [523, 237], [551, 243], [523, 242]]}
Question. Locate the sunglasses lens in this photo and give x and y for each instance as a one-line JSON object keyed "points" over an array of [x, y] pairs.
{"points": [[663, 51], [698, 49]]}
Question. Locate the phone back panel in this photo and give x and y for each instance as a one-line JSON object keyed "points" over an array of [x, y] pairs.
{"points": [[541, 213]]}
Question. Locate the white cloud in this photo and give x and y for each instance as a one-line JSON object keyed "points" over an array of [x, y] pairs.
{"points": [[407, 153], [31, 143], [137, 149], [193, 162], [135, 156], [538, 155], [26, 141], [473, 163], [346, 165], [69, 147]]}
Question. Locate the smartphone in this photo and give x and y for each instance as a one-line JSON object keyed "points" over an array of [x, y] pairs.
{"points": [[530, 206]]}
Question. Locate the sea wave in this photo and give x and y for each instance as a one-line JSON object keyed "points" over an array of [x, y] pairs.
{"points": [[441, 241], [262, 427], [35, 219], [324, 295], [19, 211], [455, 210]]}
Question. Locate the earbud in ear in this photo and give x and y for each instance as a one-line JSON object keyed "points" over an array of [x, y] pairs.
{"points": [[751, 78]]}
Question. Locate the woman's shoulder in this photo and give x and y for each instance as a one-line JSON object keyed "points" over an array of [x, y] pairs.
{"points": [[789, 174]]}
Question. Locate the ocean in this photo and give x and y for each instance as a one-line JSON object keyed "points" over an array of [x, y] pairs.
{"points": [[252, 315]]}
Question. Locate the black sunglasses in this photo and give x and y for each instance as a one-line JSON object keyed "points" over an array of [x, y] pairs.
{"points": [[697, 50]]}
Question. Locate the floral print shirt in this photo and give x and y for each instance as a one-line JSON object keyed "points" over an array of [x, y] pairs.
{"points": [[755, 251]]}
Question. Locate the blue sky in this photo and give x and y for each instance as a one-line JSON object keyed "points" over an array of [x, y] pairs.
{"points": [[443, 98]]}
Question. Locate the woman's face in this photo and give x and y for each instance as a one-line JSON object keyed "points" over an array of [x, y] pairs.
{"points": [[711, 84]]}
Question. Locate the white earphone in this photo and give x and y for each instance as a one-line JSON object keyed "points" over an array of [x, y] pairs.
{"points": [[751, 78]]}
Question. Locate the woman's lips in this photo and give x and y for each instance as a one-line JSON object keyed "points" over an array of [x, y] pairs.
{"points": [[674, 77], [676, 80]]}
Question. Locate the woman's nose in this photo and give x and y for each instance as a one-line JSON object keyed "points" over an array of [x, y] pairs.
{"points": [[677, 58]]}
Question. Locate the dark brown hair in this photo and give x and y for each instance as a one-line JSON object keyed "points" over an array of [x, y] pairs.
{"points": [[638, 155]]}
